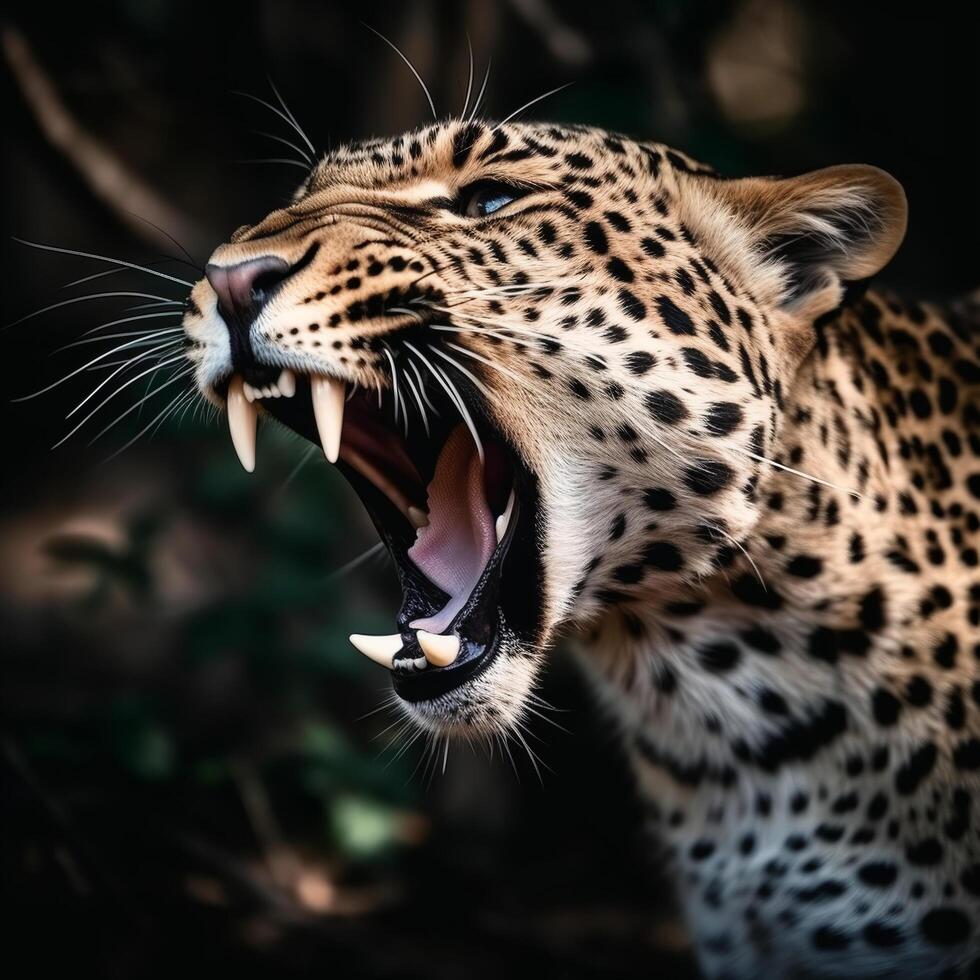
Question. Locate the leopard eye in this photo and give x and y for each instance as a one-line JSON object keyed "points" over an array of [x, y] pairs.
{"points": [[485, 199]]}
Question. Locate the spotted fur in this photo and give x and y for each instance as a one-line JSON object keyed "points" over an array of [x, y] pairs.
{"points": [[759, 502]]}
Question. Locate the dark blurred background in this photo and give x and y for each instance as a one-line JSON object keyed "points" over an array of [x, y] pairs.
{"points": [[191, 771]]}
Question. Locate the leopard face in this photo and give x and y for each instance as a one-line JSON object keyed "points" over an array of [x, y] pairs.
{"points": [[552, 361]]}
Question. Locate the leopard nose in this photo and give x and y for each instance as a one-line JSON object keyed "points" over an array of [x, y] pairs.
{"points": [[243, 289]]}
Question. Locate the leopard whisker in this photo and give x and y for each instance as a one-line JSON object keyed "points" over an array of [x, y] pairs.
{"points": [[285, 160], [459, 367], [105, 401], [527, 105], [394, 47], [104, 258], [280, 139], [479, 98], [78, 370], [424, 393], [86, 298], [418, 401], [450, 389], [469, 82], [166, 384], [128, 363], [292, 119]]}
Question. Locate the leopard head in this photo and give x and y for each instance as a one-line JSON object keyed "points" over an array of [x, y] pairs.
{"points": [[551, 361]]}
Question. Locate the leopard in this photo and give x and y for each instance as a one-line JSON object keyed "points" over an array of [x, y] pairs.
{"points": [[599, 398]]}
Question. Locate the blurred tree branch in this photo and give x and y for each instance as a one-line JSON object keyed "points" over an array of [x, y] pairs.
{"points": [[133, 202]]}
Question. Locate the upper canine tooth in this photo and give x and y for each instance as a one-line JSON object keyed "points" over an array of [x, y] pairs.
{"points": [[242, 420], [328, 408], [380, 649], [440, 649], [287, 383]]}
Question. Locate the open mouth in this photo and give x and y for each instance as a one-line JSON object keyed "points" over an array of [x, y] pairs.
{"points": [[451, 500]]}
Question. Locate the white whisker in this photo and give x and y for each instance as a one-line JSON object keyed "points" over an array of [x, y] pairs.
{"points": [[527, 105], [83, 299], [71, 374], [108, 398], [483, 87], [454, 396], [280, 139], [104, 258], [166, 384], [459, 367], [469, 81], [418, 77], [418, 401], [292, 118]]}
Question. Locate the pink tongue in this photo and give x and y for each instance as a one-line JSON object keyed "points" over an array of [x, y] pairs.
{"points": [[456, 546]]}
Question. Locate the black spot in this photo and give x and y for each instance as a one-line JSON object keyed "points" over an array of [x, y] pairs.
{"points": [[762, 640], [748, 589], [945, 926], [675, 319], [628, 574], [707, 476], [666, 407], [924, 853], [579, 390], [579, 161], [805, 566], [639, 361], [722, 418], [719, 657], [871, 612], [653, 248], [878, 874], [918, 691], [659, 498], [463, 143], [631, 305], [618, 527], [772, 702], [918, 766], [595, 238], [698, 362], [663, 555], [618, 269], [702, 849], [966, 755]]}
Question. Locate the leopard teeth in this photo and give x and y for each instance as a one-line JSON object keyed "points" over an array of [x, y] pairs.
{"points": [[328, 409], [380, 649], [440, 649], [503, 521], [242, 422], [284, 387]]}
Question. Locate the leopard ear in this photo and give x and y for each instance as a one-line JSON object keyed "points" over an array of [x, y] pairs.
{"points": [[821, 230]]}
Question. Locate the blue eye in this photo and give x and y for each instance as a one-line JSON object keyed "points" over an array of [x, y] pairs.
{"points": [[484, 201]]}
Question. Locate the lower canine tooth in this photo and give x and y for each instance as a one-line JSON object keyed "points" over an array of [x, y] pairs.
{"points": [[503, 520], [287, 383], [440, 649], [328, 408], [380, 649], [242, 420]]}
